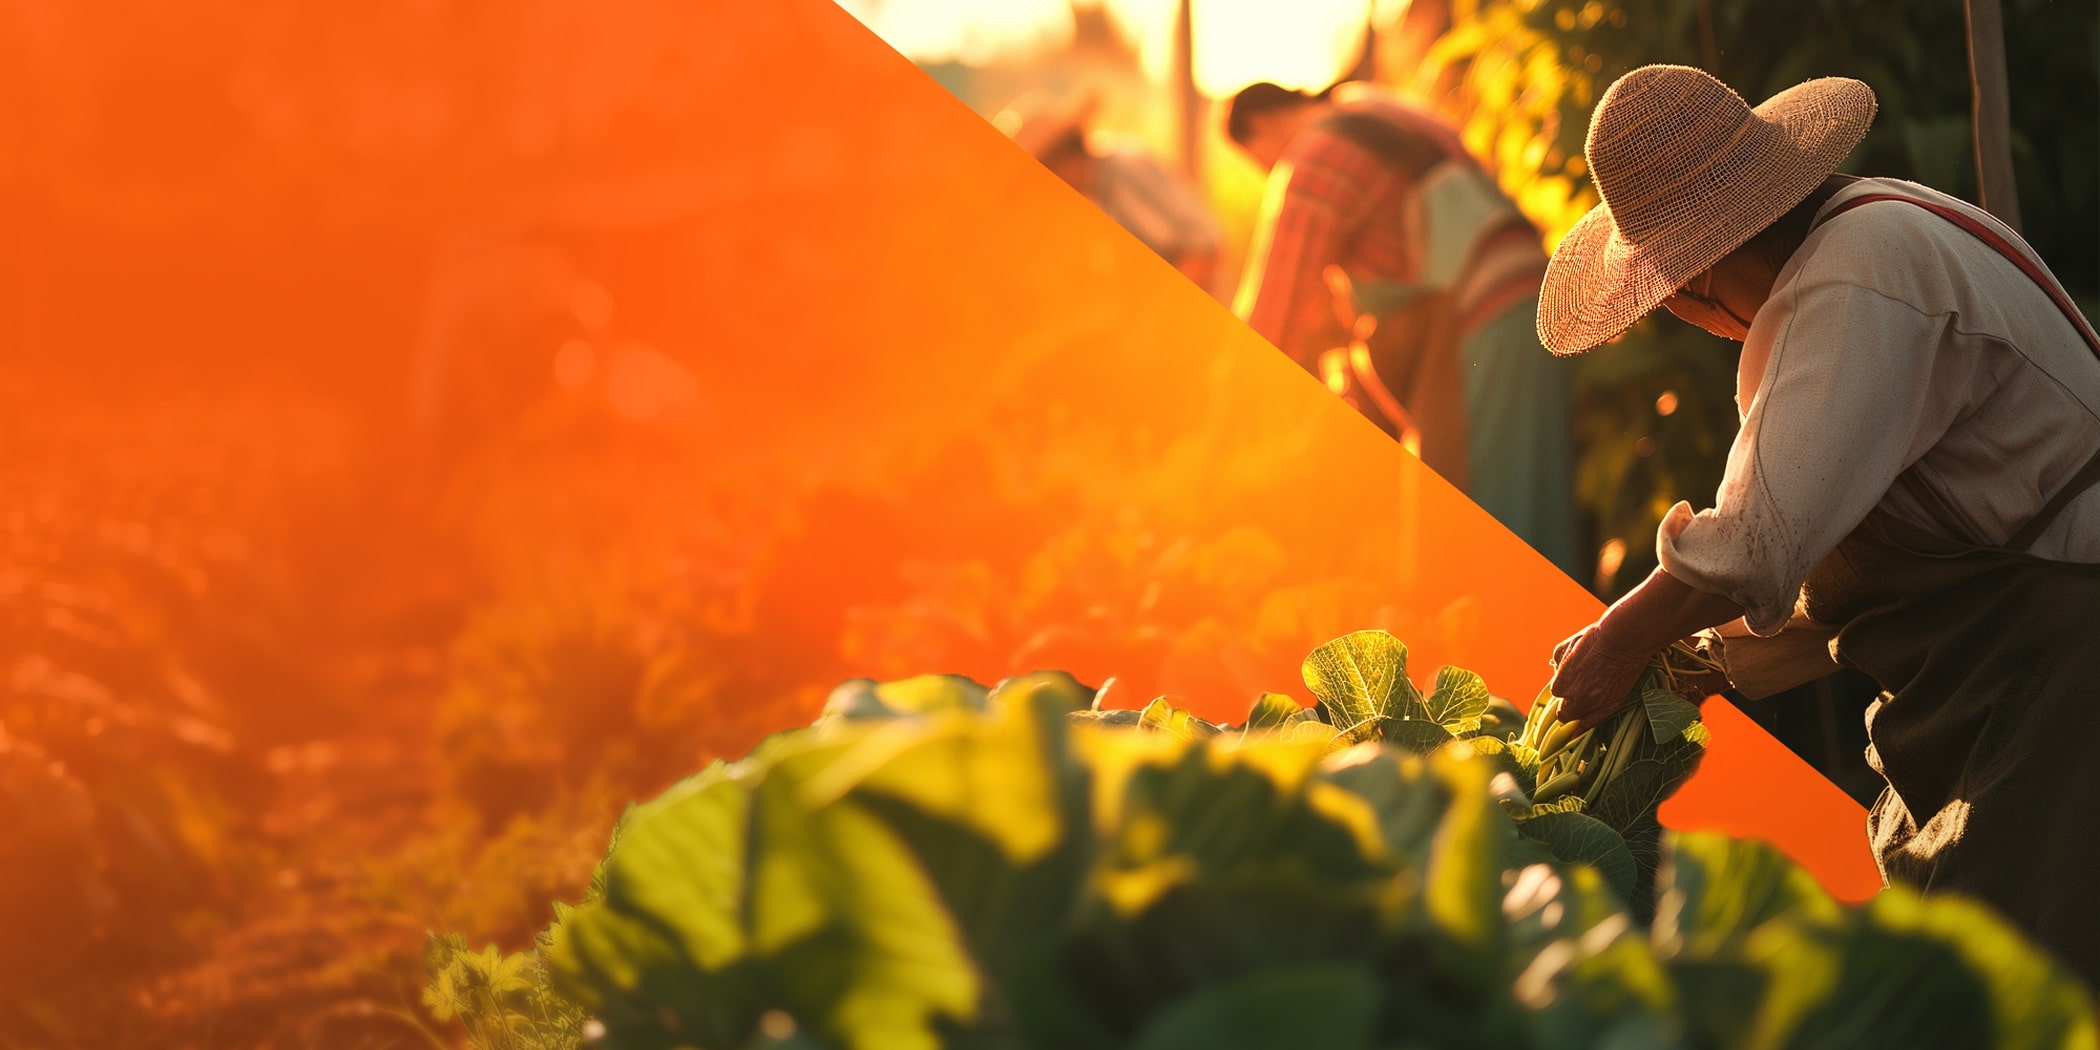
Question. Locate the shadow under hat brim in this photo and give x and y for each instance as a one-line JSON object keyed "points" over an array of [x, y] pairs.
{"points": [[1599, 283]]}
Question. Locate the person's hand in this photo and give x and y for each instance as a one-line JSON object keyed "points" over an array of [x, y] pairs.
{"points": [[1593, 674], [1595, 670]]}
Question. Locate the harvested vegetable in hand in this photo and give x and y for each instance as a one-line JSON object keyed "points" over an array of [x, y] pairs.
{"points": [[1615, 774], [1656, 725]]}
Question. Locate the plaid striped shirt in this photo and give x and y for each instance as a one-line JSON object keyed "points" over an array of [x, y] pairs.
{"points": [[1414, 214]]}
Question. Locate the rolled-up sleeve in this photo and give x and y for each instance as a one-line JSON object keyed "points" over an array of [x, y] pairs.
{"points": [[1843, 407]]}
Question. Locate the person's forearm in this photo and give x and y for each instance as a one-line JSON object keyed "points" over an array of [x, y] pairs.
{"points": [[1661, 610], [1595, 670]]}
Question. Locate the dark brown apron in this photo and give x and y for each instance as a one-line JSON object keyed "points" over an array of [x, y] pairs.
{"points": [[1992, 672]]}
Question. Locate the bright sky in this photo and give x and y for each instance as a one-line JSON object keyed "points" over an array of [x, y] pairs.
{"points": [[974, 32], [1296, 43]]}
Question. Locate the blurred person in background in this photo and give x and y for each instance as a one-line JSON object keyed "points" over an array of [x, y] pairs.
{"points": [[1378, 203], [1131, 187]]}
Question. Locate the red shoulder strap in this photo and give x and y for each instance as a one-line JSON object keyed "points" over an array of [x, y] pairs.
{"points": [[1998, 242]]}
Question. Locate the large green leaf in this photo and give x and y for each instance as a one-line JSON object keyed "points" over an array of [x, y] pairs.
{"points": [[1274, 711], [1712, 890], [1326, 1007], [1114, 717], [922, 695], [820, 912], [906, 961], [673, 893], [701, 839], [1414, 734], [1858, 985], [1544, 900], [1054, 688], [1580, 967], [1505, 758], [1636, 789], [1577, 838], [1459, 700], [1006, 778], [932, 693], [1223, 811], [1223, 863], [1669, 715], [992, 816], [1719, 997], [1213, 929], [1501, 720], [1161, 715], [1012, 920], [1361, 678], [1408, 801], [2034, 1003], [1309, 730], [1462, 888], [855, 698]]}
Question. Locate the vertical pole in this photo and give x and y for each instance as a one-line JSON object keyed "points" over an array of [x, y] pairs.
{"points": [[1367, 63], [1185, 83], [1709, 52], [1991, 112]]}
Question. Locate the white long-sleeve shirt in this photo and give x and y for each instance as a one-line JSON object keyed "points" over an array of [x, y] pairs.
{"points": [[1899, 363]]}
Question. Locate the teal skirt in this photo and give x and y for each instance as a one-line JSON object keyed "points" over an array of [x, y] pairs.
{"points": [[1520, 435]]}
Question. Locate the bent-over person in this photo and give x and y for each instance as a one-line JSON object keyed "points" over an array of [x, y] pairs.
{"points": [[1913, 490]]}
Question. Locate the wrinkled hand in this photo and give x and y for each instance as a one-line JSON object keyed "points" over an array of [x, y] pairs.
{"points": [[1593, 675]]}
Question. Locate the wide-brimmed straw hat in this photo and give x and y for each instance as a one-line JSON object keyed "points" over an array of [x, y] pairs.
{"points": [[1688, 172], [1039, 120]]}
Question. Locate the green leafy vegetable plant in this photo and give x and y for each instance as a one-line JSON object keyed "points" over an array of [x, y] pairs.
{"points": [[938, 864]]}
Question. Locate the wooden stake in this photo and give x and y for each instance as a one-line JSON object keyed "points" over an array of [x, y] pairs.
{"points": [[1991, 114], [1191, 99]]}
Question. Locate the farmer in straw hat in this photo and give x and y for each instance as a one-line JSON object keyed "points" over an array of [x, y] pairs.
{"points": [[1912, 492], [1131, 187]]}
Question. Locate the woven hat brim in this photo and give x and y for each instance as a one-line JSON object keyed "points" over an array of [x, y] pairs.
{"points": [[1599, 283]]}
